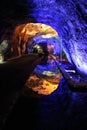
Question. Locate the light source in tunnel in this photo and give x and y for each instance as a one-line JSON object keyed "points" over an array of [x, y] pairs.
{"points": [[38, 49], [45, 48]]}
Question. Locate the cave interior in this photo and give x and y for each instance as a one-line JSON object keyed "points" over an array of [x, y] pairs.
{"points": [[56, 31]]}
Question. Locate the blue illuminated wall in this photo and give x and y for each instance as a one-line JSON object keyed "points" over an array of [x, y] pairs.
{"points": [[68, 18], [55, 41]]}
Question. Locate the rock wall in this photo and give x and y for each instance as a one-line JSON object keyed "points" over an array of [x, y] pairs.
{"points": [[67, 17]]}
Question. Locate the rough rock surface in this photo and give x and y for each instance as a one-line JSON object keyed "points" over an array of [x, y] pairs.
{"points": [[68, 18]]}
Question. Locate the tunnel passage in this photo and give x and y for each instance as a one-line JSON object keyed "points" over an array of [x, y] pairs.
{"points": [[42, 39], [38, 38], [26, 36], [69, 18]]}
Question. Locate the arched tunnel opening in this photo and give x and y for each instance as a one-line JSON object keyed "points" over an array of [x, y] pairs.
{"points": [[55, 29], [43, 40], [70, 32]]}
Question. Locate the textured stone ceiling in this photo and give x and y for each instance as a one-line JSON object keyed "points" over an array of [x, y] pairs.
{"points": [[67, 17], [30, 34]]}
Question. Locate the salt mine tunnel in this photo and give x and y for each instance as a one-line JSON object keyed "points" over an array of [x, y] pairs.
{"points": [[44, 42], [67, 18]]}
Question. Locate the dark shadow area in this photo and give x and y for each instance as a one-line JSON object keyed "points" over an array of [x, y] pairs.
{"points": [[13, 75], [63, 109]]}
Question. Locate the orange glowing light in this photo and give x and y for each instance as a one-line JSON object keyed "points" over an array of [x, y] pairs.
{"points": [[43, 86], [26, 32], [29, 30]]}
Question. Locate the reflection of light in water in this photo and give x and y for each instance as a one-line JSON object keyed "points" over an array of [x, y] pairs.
{"points": [[45, 85], [48, 73]]}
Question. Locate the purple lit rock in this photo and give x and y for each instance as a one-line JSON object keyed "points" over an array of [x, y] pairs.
{"points": [[68, 18]]}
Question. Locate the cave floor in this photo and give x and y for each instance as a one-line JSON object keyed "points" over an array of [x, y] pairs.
{"points": [[62, 109]]}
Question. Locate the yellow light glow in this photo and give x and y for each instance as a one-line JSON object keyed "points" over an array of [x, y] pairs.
{"points": [[48, 35], [26, 32], [43, 86], [1, 58], [33, 29]]}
